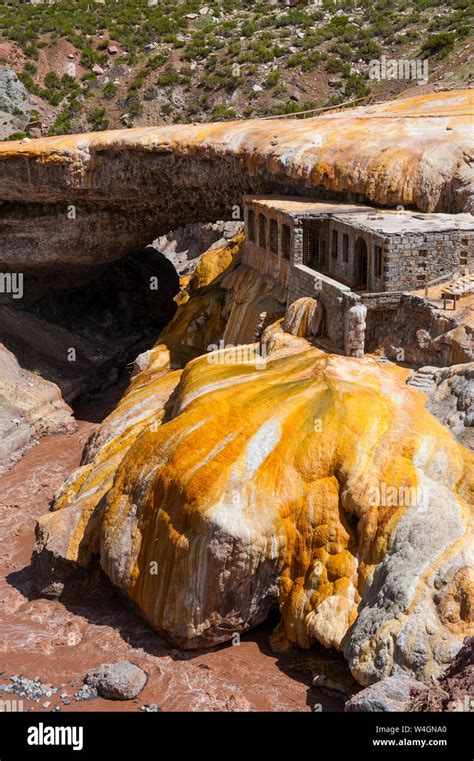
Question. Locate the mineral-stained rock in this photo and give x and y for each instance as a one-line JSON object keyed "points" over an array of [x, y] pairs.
{"points": [[304, 317], [29, 408], [393, 694], [88, 199], [117, 681], [450, 396], [185, 246], [452, 400], [314, 482]]}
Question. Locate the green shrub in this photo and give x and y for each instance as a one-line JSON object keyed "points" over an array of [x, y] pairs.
{"points": [[90, 57], [52, 81], [442, 42], [16, 136], [134, 107], [272, 79], [356, 87], [222, 113], [261, 54], [109, 90], [98, 119], [168, 77]]}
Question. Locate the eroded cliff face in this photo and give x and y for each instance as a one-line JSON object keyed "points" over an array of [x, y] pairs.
{"points": [[29, 408], [128, 186], [278, 476]]}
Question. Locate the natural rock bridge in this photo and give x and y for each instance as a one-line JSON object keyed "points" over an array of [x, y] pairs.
{"points": [[128, 186]]}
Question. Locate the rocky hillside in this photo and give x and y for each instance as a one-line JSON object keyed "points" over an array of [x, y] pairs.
{"points": [[75, 65]]}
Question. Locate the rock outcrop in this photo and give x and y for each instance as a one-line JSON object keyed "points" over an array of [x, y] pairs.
{"points": [[426, 334], [13, 94], [15, 104], [450, 392], [185, 246], [394, 694], [29, 408], [457, 682], [88, 199], [315, 483]]}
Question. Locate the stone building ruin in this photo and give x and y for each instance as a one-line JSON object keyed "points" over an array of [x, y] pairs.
{"points": [[356, 261]]}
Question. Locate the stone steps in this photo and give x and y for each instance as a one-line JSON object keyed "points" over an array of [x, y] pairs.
{"points": [[423, 380]]}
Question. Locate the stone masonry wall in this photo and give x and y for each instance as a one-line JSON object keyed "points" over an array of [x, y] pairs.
{"points": [[337, 300], [410, 260], [423, 332], [263, 259]]}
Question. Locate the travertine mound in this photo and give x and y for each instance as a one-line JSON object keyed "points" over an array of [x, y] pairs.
{"points": [[314, 482], [89, 199]]}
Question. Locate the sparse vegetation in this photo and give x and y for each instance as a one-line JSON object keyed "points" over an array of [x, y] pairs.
{"points": [[278, 49], [98, 119], [439, 43]]}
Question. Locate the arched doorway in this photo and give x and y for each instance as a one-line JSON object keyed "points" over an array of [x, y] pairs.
{"points": [[360, 263]]}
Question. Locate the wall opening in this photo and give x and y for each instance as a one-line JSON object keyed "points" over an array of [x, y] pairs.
{"points": [[313, 253], [262, 231], [285, 241], [251, 225], [274, 236], [360, 263]]}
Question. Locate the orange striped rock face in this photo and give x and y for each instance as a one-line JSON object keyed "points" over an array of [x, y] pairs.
{"points": [[281, 477], [393, 142], [129, 186]]}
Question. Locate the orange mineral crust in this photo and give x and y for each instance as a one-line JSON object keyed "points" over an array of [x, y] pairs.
{"points": [[412, 151], [292, 478], [72, 203]]}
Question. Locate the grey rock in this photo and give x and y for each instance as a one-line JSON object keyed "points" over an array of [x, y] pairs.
{"points": [[86, 693], [393, 694], [28, 688], [117, 681], [185, 245], [141, 362], [13, 93]]}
